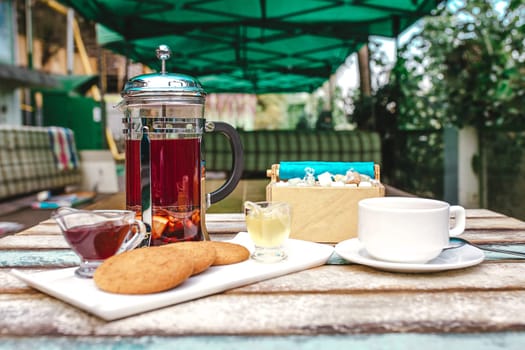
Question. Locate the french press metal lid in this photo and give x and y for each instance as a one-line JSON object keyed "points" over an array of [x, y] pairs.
{"points": [[156, 87]]}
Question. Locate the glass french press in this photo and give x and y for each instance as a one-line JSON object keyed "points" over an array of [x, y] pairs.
{"points": [[164, 126]]}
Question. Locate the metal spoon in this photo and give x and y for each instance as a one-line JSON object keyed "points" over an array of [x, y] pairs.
{"points": [[456, 242]]}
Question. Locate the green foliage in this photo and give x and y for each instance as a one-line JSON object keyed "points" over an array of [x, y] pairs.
{"points": [[505, 180], [465, 67], [419, 166]]}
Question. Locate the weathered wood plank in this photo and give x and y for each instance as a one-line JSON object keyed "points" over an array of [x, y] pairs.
{"points": [[44, 241], [226, 227], [495, 236], [333, 314], [279, 314], [61, 256], [225, 223], [476, 220], [23, 242], [38, 258], [9, 284], [116, 201], [360, 279], [357, 279], [478, 341], [216, 223], [39, 314], [482, 213], [36, 242], [232, 223], [497, 223], [45, 228], [494, 221], [233, 217], [54, 241]]}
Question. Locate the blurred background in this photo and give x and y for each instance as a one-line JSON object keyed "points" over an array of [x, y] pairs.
{"points": [[445, 93]]}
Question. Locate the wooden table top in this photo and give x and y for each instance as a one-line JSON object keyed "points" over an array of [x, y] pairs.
{"points": [[337, 304]]}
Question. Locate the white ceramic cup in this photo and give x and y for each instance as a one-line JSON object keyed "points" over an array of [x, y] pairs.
{"points": [[407, 229]]}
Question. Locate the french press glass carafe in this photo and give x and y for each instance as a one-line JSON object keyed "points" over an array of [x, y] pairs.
{"points": [[164, 127]]}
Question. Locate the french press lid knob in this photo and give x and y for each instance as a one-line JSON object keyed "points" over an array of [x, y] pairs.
{"points": [[163, 54]]}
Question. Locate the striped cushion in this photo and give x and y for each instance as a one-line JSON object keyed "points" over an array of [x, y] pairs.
{"points": [[27, 163], [264, 148]]}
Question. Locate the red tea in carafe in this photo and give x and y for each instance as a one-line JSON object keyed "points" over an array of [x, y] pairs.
{"points": [[175, 188]]}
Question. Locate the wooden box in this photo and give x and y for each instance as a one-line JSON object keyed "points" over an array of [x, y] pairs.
{"points": [[323, 214]]}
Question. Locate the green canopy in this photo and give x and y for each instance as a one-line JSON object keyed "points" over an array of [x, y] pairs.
{"points": [[249, 45]]}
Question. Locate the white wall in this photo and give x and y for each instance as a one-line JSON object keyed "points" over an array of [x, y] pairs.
{"points": [[468, 180], [99, 172]]}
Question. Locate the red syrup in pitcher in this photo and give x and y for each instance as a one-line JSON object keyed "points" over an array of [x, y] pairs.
{"points": [[176, 192], [97, 241]]}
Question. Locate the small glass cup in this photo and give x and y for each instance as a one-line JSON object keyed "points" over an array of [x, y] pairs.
{"points": [[95, 235], [268, 225]]}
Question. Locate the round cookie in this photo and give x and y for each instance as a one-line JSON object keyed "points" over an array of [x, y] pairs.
{"points": [[203, 254], [143, 271], [229, 253]]}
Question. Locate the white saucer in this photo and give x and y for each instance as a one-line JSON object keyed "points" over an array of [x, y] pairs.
{"points": [[457, 258]]}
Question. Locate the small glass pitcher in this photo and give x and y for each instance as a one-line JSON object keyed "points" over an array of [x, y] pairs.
{"points": [[99, 234]]}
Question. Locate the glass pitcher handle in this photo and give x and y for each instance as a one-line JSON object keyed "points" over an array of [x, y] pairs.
{"points": [[237, 159]]}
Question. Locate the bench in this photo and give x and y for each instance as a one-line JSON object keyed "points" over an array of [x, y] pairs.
{"points": [[36, 158], [264, 148]]}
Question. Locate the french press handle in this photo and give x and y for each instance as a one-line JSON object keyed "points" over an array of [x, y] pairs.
{"points": [[237, 159]]}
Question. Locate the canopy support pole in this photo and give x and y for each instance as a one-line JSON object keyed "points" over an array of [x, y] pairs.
{"points": [[70, 49], [29, 100], [79, 44], [364, 70]]}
